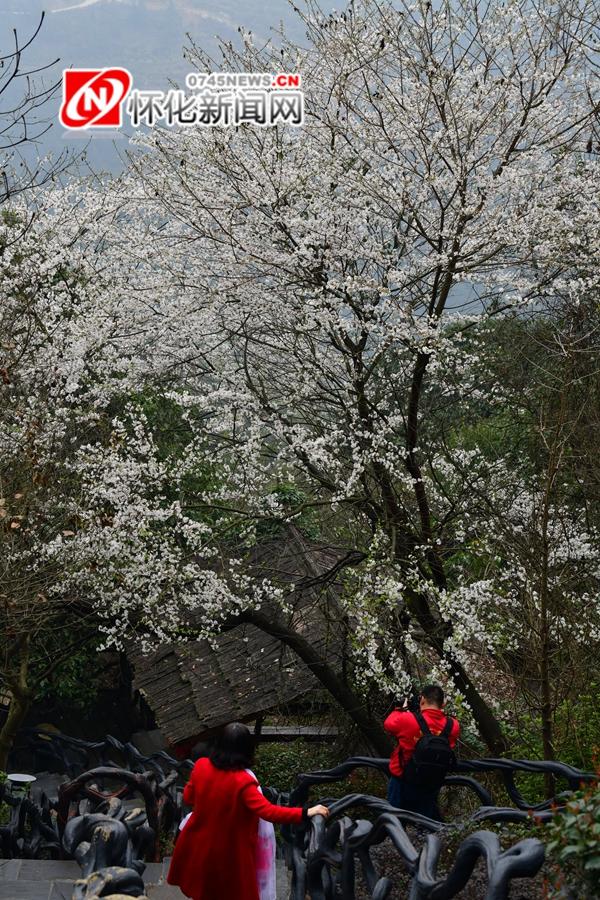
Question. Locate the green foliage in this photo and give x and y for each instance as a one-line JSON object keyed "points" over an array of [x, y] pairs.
{"points": [[277, 765], [508, 833], [576, 738], [172, 433], [167, 844], [574, 846], [472, 557], [75, 683], [10, 218], [4, 807], [497, 435], [578, 729], [293, 500]]}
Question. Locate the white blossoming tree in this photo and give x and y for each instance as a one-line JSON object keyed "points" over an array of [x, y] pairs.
{"points": [[535, 477], [309, 312], [65, 360], [331, 282], [82, 480]]}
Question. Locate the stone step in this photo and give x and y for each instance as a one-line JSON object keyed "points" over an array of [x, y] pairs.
{"points": [[38, 870], [168, 892], [156, 886], [164, 892], [36, 890], [49, 879], [37, 879], [283, 880]]}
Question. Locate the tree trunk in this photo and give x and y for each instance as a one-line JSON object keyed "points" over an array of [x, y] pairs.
{"points": [[436, 630], [435, 633], [547, 734], [352, 704], [545, 651], [487, 723], [19, 706]]}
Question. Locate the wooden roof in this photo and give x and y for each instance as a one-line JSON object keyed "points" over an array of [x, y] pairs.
{"points": [[197, 687]]}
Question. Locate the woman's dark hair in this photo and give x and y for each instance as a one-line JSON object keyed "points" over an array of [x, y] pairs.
{"points": [[234, 748]]}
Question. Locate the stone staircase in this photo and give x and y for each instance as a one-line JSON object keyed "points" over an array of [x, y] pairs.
{"points": [[32, 879]]}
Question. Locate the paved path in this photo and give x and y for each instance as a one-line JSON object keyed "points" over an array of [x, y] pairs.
{"points": [[31, 879], [162, 891]]}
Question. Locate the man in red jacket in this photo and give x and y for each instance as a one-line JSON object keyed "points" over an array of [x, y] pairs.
{"points": [[403, 725]]}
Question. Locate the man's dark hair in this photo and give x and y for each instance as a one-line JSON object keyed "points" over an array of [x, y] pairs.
{"points": [[433, 694], [233, 748]]}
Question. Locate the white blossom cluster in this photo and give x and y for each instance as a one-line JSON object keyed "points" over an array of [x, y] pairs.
{"points": [[311, 306]]}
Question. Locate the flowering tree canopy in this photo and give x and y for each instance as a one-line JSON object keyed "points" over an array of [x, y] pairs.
{"points": [[312, 312], [333, 284], [62, 338]]}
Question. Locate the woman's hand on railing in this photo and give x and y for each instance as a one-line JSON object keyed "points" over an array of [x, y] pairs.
{"points": [[318, 810]]}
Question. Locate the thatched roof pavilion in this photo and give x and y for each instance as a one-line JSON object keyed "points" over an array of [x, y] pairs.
{"points": [[197, 687]]}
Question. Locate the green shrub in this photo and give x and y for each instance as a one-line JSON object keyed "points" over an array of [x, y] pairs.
{"points": [[67, 686], [576, 740], [4, 807], [278, 764], [509, 833], [573, 846]]}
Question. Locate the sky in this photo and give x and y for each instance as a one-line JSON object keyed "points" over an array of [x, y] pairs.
{"points": [[144, 36]]}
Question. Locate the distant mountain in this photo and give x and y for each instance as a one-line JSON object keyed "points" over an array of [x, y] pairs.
{"points": [[151, 32], [145, 36]]}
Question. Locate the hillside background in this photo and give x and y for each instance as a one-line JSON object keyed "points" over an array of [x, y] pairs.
{"points": [[145, 36]]}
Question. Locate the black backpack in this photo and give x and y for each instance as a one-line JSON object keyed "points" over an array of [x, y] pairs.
{"points": [[432, 758]]}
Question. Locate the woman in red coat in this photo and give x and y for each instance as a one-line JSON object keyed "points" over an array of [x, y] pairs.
{"points": [[215, 854]]}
